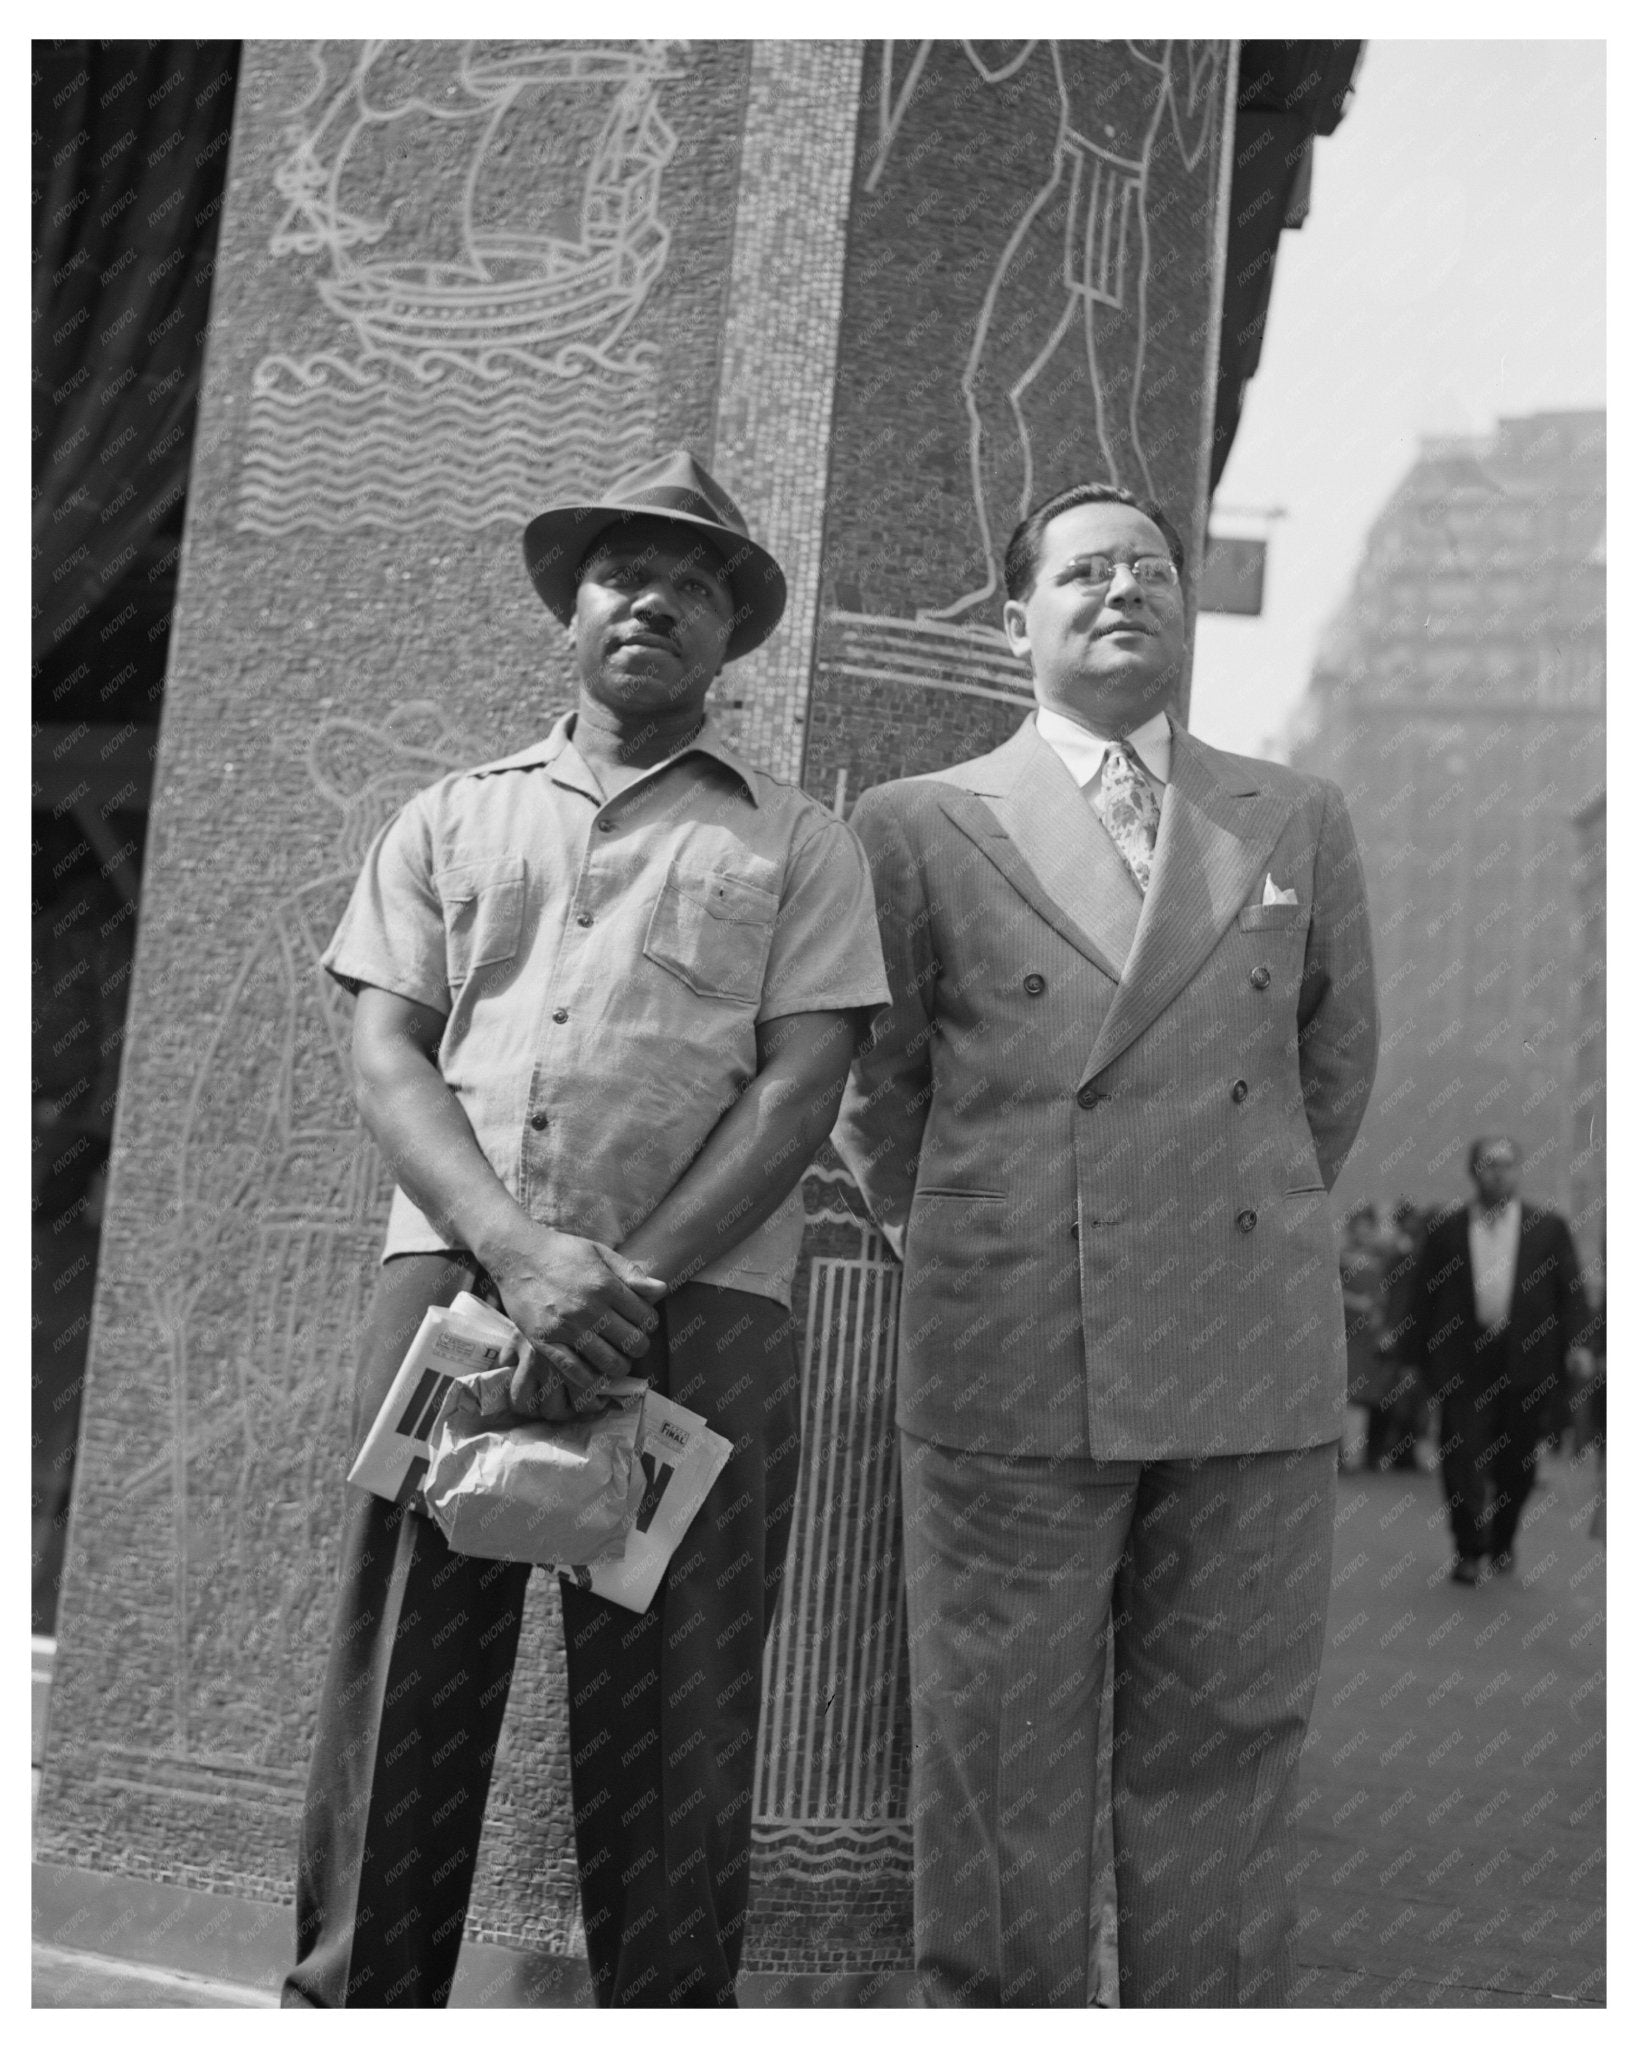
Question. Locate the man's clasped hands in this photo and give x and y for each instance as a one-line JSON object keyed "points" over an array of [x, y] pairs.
{"points": [[586, 1313]]}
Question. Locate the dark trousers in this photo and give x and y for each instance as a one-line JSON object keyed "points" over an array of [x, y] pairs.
{"points": [[1489, 1437], [1211, 1576], [663, 1706], [1396, 1419]]}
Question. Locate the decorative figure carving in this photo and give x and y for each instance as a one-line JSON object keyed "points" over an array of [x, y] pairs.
{"points": [[280, 1200], [1078, 256]]}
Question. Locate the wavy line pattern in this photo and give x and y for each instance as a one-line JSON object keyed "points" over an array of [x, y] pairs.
{"points": [[334, 444], [495, 366], [822, 1852]]}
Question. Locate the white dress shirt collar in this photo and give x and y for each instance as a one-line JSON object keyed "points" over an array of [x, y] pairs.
{"points": [[1082, 752]]}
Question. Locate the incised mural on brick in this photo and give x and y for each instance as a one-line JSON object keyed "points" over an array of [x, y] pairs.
{"points": [[489, 217]]}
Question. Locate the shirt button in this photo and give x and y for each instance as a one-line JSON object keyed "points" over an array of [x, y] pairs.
{"points": [[1260, 977], [1089, 1097], [1239, 1091], [539, 1120], [584, 918], [1246, 1221], [560, 1016], [1034, 984]]}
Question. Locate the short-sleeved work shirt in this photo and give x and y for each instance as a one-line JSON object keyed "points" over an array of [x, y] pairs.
{"points": [[603, 966]]}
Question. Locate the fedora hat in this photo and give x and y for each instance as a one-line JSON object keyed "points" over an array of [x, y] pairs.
{"points": [[677, 488]]}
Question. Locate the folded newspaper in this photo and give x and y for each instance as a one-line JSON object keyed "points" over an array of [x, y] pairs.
{"points": [[673, 1453]]}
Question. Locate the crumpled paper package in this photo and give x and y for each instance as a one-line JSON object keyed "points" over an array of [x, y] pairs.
{"points": [[560, 1494]]}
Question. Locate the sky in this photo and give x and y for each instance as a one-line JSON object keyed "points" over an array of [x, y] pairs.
{"points": [[1450, 273]]}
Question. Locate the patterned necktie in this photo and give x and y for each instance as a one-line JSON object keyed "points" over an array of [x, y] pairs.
{"points": [[1130, 810]]}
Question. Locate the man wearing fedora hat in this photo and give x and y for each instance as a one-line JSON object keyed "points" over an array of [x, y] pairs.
{"points": [[607, 992]]}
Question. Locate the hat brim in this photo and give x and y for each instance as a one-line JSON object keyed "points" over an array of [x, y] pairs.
{"points": [[556, 542]]}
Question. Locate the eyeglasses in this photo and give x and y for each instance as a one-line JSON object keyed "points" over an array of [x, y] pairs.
{"points": [[1156, 571]]}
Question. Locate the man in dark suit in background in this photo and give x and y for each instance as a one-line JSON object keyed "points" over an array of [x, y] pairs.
{"points": [[1501, 1321]]}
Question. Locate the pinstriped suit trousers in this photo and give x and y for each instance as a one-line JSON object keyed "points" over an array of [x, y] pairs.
{"points": [[1210, 1576]]}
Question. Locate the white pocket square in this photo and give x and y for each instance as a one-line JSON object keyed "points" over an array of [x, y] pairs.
{"points": [[1273, 893]]}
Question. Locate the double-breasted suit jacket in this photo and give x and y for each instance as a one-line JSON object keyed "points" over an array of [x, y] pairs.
{"points": [[1099, 1126]]}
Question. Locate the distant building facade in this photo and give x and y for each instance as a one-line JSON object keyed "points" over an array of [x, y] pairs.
{"points": [[1588, 1104], [1458, 698]]}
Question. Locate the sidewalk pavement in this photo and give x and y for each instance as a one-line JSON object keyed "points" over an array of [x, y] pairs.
{"points": [[1452, 1803], [1451, 1810]]}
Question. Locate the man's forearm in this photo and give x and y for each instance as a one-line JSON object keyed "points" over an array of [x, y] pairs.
{"points": [[753, 1158], [565, 1292], [428, 1141]]}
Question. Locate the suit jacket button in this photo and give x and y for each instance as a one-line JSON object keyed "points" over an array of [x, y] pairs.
{"points": [[1089, 1097], [1246, 1221], [1034, 984], [1260, 977], [1074, 1230], [1239, 1091]]}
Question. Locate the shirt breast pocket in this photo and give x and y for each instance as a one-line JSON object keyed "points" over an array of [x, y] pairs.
{"points": [[483, 913], [713, 931]]}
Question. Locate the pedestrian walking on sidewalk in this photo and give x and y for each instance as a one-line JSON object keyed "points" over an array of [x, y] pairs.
{"points": [[1501, 1325]]}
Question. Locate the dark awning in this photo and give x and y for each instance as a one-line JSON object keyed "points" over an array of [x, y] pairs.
{"points": [[1289, 92]]}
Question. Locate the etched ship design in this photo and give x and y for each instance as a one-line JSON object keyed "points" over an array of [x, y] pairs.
{"points": [[482, 287]]}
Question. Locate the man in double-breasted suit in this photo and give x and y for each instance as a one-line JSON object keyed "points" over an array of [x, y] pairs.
{"points": [[1132, 1036], [1501, 1325]]}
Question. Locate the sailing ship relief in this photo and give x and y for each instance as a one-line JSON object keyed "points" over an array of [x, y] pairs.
{"points": [[485, 219]]}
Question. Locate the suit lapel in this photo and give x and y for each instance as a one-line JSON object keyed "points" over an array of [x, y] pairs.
{"points": [[1053, 826], [1461, 1253], [971, 815], [1529, 1220], [1035, 825], [1216, 831]]}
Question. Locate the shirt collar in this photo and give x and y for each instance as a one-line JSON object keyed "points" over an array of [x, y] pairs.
{"points": [[708, 740], [1499, 1219], [1082, 752]]}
